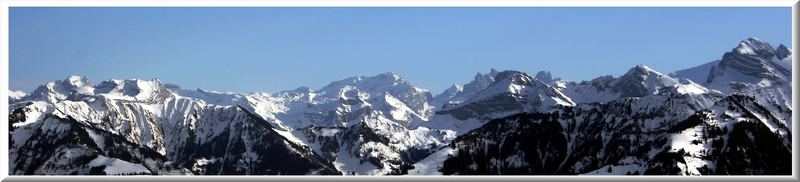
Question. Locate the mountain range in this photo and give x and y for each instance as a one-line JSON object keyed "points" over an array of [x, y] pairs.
{"points": [[731, 116]]}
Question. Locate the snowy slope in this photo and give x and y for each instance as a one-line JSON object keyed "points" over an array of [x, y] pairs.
{"points": [[698, 74]]}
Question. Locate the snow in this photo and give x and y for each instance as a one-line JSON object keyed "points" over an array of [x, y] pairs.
{"points": [[35, 112], [653, 80], [117, 166], [585, 93], [452, 125], [16, 94], [786, 63], [694, 151], [329, 132], [751, 46], [81, 83], [347, 163], [430, 165], [289, 135], [99, 140], [697, 74], [689, 87], [200, 163]]}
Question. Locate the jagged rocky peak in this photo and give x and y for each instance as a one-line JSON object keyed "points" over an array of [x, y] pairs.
{"points": [[450, 98], [782, 52], [455, 88], [545, 76], [755, 47], [439, 101], [520, 84], [481, 81]]}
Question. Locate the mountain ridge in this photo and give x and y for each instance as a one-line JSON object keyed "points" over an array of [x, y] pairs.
{"points": [[383, 124]]}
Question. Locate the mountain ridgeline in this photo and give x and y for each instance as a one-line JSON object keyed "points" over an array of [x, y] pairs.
{"points": [[731, 116]]}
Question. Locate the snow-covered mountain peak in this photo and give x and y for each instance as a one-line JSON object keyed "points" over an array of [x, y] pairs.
{"points": [[513, 75], [77, 81], [512, 91], [752, 62], [79, 84], [641, 69], [642, 73], [66, 89], [641, 80], [131, 89], [454, 90], [15, 95], [374, 87], [439, 101], [503, 82], [456, 87], [372, 84], [755, 47]]}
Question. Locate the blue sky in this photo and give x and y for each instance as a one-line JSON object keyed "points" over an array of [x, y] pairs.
{"points": [[274, 49]]}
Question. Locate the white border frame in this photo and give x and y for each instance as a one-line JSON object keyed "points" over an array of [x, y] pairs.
{"points": [[4, 76], [402, 3]]}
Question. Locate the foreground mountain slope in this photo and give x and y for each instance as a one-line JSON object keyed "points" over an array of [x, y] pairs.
{"points": [[604, 139]]}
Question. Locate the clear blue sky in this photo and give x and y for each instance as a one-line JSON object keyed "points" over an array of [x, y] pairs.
{"points": [[274, 49]]}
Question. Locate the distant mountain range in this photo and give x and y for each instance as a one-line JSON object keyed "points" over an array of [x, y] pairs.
{"points": [[731, 116]]}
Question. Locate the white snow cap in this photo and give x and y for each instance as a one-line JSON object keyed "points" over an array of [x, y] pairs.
{"points": [[753, 46], [643, 68], [16, 94]]}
